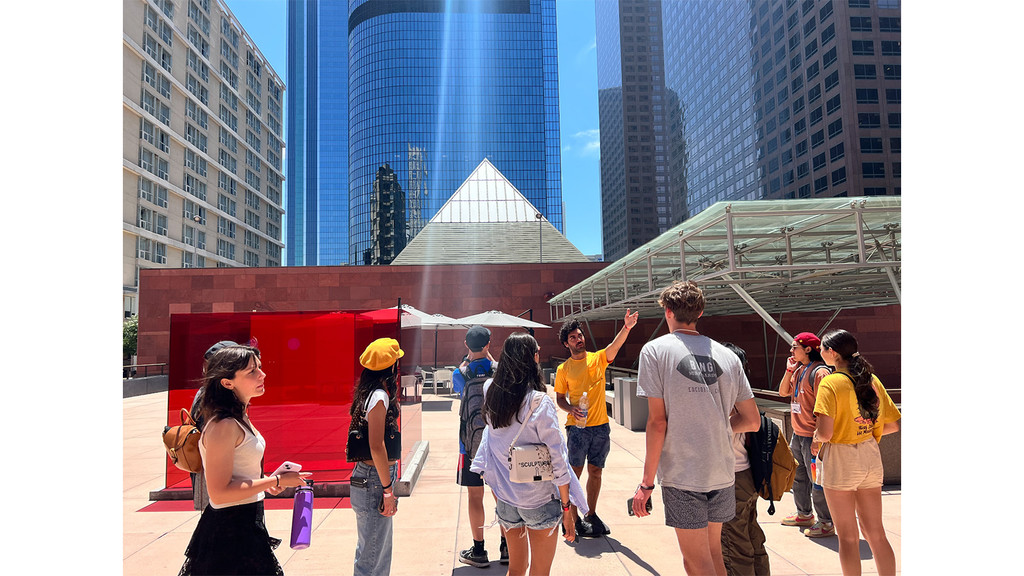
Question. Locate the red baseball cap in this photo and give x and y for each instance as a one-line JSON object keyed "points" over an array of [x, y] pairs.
{"points": [[808, 339]]}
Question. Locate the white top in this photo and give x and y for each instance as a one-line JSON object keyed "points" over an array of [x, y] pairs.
{"points": [[376, 396], [246, 463]]}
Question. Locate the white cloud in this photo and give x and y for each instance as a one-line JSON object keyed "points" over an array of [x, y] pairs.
{"points": [[589, 142]]}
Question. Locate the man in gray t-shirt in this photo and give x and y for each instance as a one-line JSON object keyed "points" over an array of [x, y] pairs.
{"points": [[692, 385]]}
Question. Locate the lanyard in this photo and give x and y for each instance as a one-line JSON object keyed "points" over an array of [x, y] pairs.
{"points": [[796, 389]]}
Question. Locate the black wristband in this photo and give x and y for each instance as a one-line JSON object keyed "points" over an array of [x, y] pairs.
{"points": [[388, 486], [642, 487]]}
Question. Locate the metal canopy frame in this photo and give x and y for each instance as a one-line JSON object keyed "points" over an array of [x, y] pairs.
{"points": [[765, 256]]}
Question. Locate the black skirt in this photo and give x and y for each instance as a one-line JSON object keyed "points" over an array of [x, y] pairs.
{"points": [[232, 540]]}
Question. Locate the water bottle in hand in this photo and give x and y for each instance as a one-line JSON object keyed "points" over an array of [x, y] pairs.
{"points": [[582, 421], [302, 516]]}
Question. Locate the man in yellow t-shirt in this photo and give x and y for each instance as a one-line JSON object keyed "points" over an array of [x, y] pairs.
{"points": [[584, 372]]}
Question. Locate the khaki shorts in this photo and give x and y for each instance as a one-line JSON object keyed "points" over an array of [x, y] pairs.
{"points": [[851, 466]]}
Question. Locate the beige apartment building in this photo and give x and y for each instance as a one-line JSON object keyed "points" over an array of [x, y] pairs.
{"points": [[203, 142]]}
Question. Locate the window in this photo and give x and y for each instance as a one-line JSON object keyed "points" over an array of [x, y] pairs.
{"points": [[891, 71], [873, 169], [869, 120], [229, 119], [816, 116], [860, 3], [195, 112], [227, 184], [798, 104], [829, 58], [874, 191], [226, 205], [817, 139], [890, 47], [225, 249], [867, 96], [888, 24], [800, 126], [195, 186], [833, 104], [797, 83], [864, 71], [832, 80], [228, 74], [839, 176], [228, 139], [835, 128], [225, 227], [802, 170], [198, 89], [228, 161], [836, 152], [897, 169], [196, 39], [860, 23], [813, 94], [825, 11], [809, 27], [195, 137], [812, 71], [871, 145], [805, 191], [196, 64], [811, 49], [820, 184], [894, 119], [828, 34], [894, 144], [892, 96], [863, 48], [801, 148]]}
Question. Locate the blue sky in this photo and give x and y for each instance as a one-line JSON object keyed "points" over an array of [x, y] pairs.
{"points": [[264, 21]]}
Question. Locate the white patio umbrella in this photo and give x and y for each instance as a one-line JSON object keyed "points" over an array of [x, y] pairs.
{"points": [[433, 322], [499, 319]]}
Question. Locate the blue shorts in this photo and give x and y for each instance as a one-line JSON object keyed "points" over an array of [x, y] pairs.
{"points": [[694, 510], [544, 518], [590, 444]]}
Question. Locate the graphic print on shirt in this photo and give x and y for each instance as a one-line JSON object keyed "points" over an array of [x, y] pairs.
{"points": [[701, 369]]}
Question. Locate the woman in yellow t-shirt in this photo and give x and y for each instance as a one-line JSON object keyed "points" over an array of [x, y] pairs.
{"points": [[853, 412]]}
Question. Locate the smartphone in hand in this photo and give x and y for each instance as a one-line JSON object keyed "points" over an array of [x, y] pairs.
{"points": [[629, 505]]}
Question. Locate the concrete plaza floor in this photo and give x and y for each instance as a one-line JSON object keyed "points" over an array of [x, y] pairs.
{"points": [[432, 524]]}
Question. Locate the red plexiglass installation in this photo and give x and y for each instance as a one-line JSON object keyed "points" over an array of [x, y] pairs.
{"points": [[312, 364]]}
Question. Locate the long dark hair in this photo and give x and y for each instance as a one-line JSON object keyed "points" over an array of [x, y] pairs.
{"points": [[218, 402], [517, 374], [844, 344], [370, 380]]}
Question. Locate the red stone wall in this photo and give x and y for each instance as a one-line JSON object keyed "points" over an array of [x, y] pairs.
{"points": [[469, 289]]}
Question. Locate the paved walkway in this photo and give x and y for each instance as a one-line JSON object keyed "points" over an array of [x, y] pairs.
{"points": [[432, 525]]}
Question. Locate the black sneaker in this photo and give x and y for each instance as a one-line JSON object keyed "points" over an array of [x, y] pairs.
{"points": [[473, 559], [584, 529], [598, 527], [504, 553]]}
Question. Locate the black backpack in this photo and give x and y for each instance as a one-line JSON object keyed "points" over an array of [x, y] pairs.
{"points": [[771, 462], [471, 418]]}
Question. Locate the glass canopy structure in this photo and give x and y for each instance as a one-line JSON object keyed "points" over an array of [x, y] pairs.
{"points": [[762, 256]]}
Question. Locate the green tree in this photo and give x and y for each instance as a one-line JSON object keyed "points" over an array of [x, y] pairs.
{"points": [[131, 337]]}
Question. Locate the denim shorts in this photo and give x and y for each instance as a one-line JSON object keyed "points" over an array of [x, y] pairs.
{"points": [[590, 444], [694, 510], [546, 517]]}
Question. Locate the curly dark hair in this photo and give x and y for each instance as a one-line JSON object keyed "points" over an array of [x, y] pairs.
{"points": [[218, 402], [568, 327], [517, 373], [370, 380], [861, 371]]}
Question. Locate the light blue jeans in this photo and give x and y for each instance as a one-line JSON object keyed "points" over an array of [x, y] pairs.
{"points": [[373, 548], [804, 491]]}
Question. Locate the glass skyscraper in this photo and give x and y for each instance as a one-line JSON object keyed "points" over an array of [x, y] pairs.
{"points": [[743, 100], [428, 87]]}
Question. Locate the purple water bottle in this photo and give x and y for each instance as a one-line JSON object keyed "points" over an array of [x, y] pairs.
{"points": [[302, 516]]}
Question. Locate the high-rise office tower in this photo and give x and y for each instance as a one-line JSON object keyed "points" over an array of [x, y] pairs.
{"points": [[429, 87], [762, 99], [826, 97], [203, 142], [635, 111]]}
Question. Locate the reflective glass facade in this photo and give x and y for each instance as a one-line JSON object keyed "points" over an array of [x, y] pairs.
{"points": [[431, 88]]}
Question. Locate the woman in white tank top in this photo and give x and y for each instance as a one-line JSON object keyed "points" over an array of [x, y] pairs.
{"points": [[231, 537]]}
